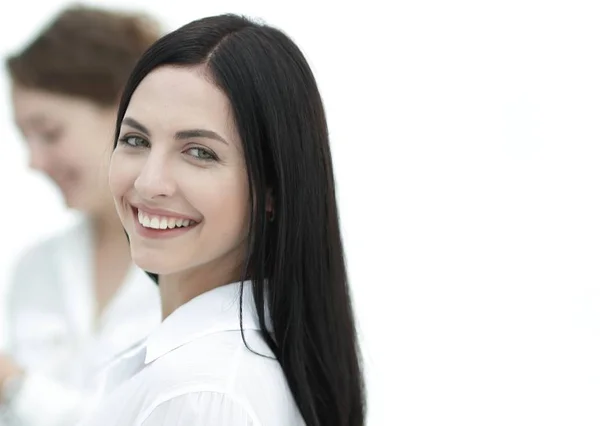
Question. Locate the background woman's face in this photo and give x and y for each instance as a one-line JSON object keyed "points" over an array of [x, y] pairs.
{"points": [[69, 140]]}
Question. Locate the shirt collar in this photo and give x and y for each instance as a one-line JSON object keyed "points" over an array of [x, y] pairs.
{"points": [[214, 311]]}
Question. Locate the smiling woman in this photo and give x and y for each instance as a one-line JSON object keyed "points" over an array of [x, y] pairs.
{"points": [[222, 177]]}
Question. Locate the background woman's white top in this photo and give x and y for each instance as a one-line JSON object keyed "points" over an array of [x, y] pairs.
{"points": [[196, 370], [53, 332]]}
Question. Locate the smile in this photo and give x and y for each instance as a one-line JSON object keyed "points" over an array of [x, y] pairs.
{"points": [[151, 221], [155, 226]]}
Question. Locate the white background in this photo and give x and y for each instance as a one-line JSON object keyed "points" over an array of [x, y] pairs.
{"points": [[466, 145]]}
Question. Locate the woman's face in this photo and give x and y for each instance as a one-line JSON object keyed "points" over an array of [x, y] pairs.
{"points": [[69, 140], [178, 175]]}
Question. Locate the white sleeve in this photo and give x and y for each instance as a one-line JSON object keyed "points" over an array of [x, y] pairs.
{"points": [[44, 402], [199, 409], [22, 291], [40, 401], [15, 293]]}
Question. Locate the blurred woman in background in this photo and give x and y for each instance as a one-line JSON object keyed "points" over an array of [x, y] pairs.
{"points": [[76, 300]]}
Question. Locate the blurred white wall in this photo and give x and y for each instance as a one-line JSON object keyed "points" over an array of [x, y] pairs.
{"points": [[466, 146]]}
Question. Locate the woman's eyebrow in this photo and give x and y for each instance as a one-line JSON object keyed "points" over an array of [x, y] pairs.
{"points": [[136, 125], [200, 133]]}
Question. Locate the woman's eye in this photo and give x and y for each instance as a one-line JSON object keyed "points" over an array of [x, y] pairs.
{"points": [[201, 153], [134, 141], [51, 136]]}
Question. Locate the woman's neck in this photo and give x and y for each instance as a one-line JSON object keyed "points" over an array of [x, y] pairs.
{"points": [[107, 229], [178, 289], [112, 258]]}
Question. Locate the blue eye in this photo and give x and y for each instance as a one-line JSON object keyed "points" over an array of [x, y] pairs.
{"points": [[201, 153], [134, 141]]}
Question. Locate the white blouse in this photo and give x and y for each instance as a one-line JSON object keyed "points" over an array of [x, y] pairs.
{"points": [[55, 335], [196, 370]]}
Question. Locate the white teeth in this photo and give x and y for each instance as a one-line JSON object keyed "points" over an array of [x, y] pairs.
{"points": [[162, 222]]}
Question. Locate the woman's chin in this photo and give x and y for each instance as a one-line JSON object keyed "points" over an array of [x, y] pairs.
{"points": [[152, 264]]}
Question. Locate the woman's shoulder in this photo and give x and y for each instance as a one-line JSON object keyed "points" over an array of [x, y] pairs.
{"points": [[77, 231], [222, 358], [43, 260], [226, 366], [220, 409]]}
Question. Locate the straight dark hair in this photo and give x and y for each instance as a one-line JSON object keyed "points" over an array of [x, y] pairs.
{"points": [[295, 260]]}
